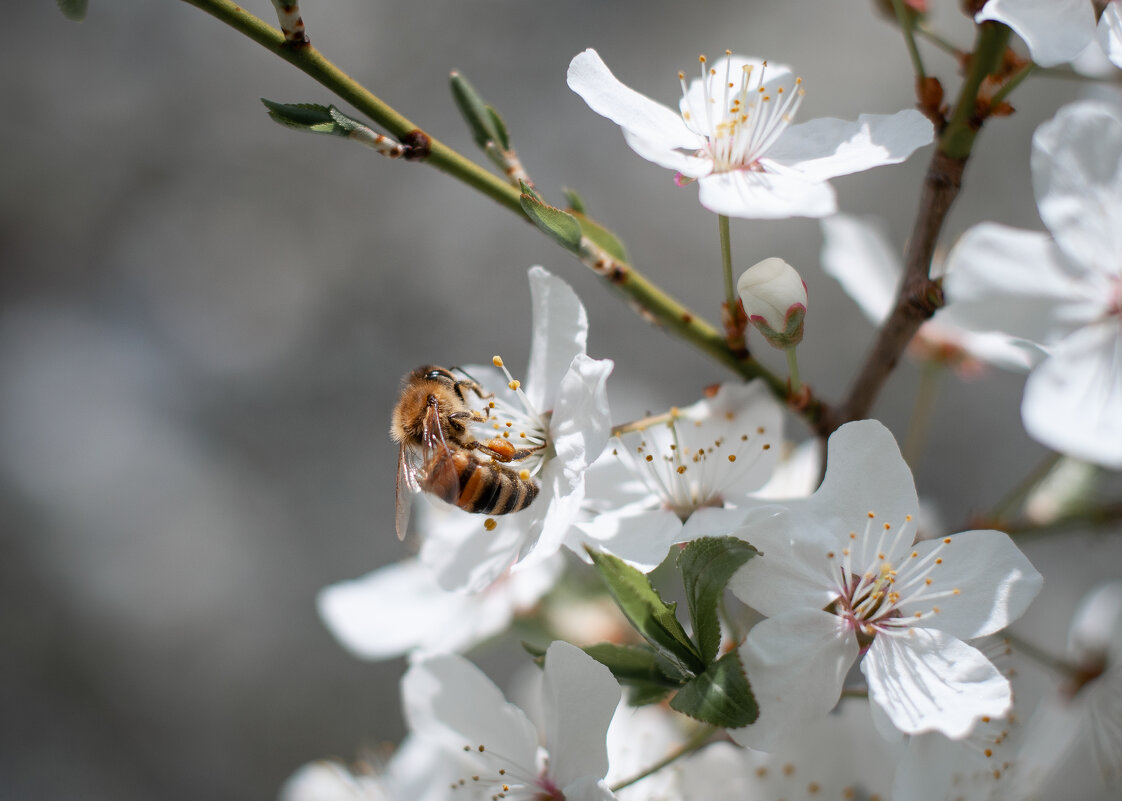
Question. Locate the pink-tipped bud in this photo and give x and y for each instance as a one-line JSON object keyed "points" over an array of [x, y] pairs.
{"points": [[774, 298]]}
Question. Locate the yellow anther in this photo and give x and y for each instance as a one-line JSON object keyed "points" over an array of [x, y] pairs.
{"points": [[490, 524], [497, 361], [515, 384]]}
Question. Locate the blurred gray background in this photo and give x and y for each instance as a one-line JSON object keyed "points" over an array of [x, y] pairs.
{"points": [[204, 317]]}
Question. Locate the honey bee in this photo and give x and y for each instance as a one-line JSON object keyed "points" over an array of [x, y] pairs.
{"points": [[438, 454]]}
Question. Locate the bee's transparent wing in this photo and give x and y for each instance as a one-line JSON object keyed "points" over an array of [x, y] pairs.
{"points": [[408, 484], [439, 475]]}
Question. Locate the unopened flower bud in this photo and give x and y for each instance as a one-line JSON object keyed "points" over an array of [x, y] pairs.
{"points": [[774, 298]]}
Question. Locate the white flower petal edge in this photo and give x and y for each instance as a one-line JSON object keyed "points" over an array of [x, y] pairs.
{"points": [[927, 680], [733, 135], [1055, 31], [1110, 33], [796, 663], [450, 701], [401, 608]]}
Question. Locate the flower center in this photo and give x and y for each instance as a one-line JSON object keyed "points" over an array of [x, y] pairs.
{"points": [[514, 429], [511, 781], [880, 594], [691, 463], [739, 114]]}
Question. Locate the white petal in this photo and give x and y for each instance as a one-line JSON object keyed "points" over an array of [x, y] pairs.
{"points": [[449, 700], [579, 696], [856, 252], [587, 789], [560, 334], [793, 570], [796, 663], [1096, 626], [864, 473], [465, 556], [582, 423], [765, 195], [1110, 33], [712, 521], [827, 147], [1015, 282], [685, 163], [1073, 400], [982, 585], [590, 78], [926, 680], [1077, 176], [1054, 30], [641, 539], [396, 609]]}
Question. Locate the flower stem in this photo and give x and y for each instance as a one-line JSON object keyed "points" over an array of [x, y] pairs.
{"points": [[653, 303], [1011, 84], [696, 741], [726, 259], [1097, 516], [920, 423], [919, 296], [937, 40], [907, 25], [793, 370], [1016, 496], [1061, 666]]}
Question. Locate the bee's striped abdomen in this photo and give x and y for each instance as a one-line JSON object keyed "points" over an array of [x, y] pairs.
{"points": [[489, 488]]}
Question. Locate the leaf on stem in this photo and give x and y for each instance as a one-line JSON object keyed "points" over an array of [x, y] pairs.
{"points": [[312, 117], [720, 696], [652, 617], [559, 225], [707, 564]]}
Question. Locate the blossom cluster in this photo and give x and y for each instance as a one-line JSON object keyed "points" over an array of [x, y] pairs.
{"points": [[835, 640]]}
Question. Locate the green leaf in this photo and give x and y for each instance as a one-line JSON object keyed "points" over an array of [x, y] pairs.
{"points": [[500, 128], [529, 190], [73, 9], [560, 226], [649, 614], [312, 117], [479, 117], [639, 694], [720, 696], [536, 651], [575, 201], [631, 664], [601, 236], [707, 564]]}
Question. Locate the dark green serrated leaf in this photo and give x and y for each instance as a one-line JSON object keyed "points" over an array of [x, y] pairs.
{"points": [[73, 9], [631, 664], [474, 111], [310, 117], [601, 236], [575, 201], [720, 696], [499, 125], [649, 614], [707, 564], [560, 226]]}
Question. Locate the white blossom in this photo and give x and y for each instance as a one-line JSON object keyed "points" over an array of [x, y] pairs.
{"points": [[1061, 293], [563, 404], [682, 476], [734, 135], [451, 702], [839, 578]]}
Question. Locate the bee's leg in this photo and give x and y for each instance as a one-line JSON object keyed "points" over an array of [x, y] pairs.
{"points": [[503, 450], [474, 416]]}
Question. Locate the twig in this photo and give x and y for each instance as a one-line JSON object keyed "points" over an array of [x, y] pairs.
{"points": [[699, 738]]}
